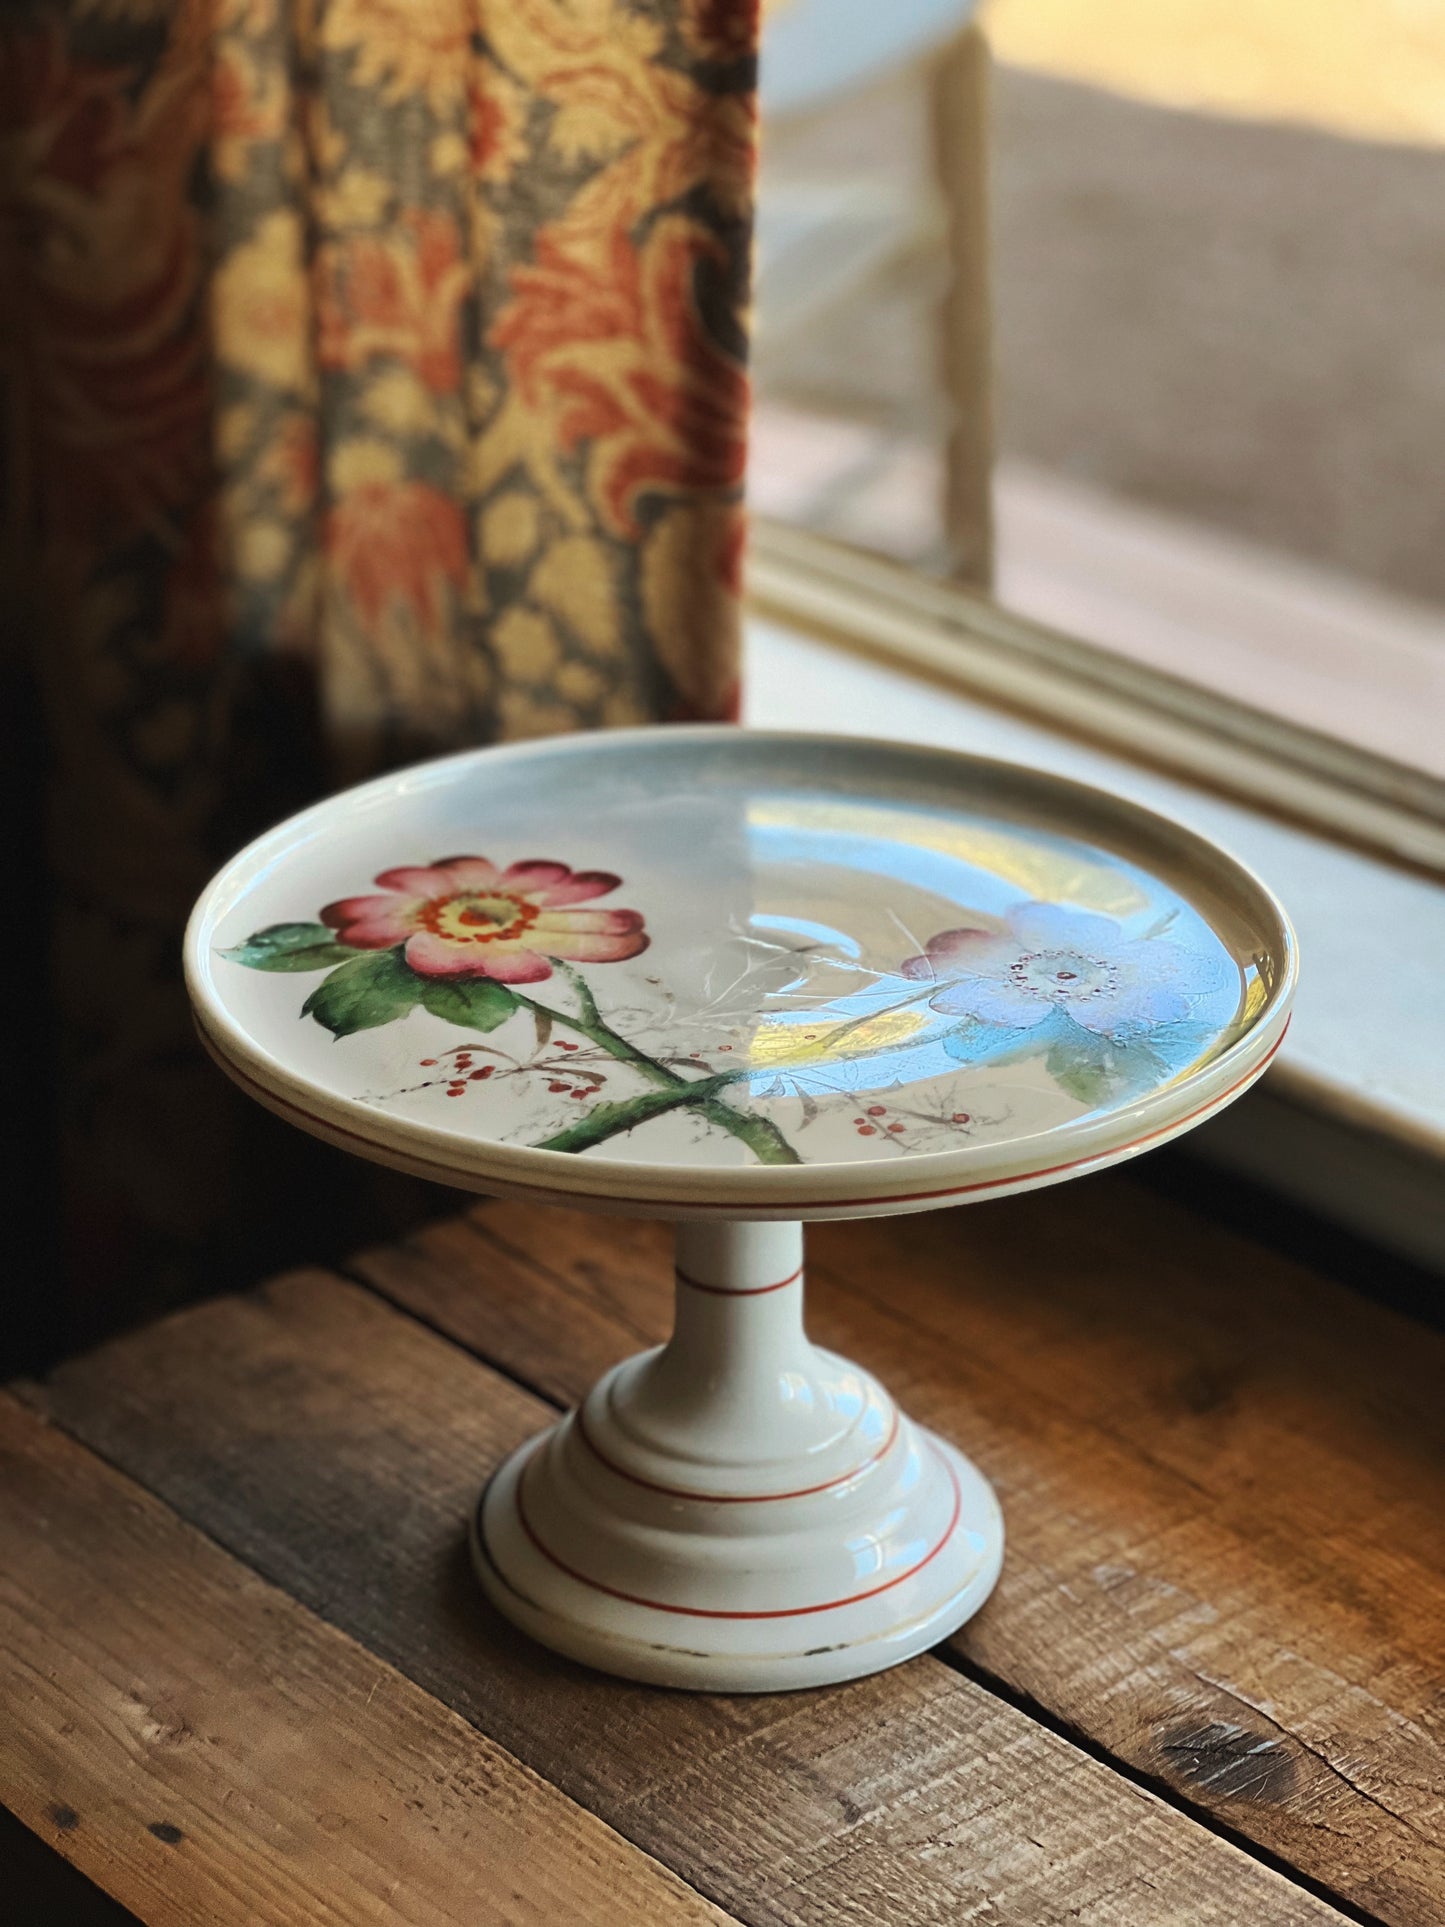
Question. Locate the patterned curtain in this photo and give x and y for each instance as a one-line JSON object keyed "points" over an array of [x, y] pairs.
{"points": [[374, 384]]}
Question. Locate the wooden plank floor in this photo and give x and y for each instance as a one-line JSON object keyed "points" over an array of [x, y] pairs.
{"points": [[288, 1775], [1207, 1689]]}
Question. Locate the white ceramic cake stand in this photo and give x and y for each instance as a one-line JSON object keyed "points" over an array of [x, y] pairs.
{"points": [[738, 981]]}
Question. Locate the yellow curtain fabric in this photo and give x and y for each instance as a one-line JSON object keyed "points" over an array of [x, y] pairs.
{"points": [[374, 384]]}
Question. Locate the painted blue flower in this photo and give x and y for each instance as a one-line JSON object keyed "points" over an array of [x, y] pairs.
{"points": [[1048, 961]]}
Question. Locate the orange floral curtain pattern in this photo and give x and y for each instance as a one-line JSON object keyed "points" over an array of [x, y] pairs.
{"points": [[374, 383]]}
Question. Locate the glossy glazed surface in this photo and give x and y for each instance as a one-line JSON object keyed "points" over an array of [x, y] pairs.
{"points": [[738, 1511], [717, 968]]}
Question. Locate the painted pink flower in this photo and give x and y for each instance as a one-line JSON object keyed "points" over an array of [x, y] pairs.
{"points": [[463, 917]]}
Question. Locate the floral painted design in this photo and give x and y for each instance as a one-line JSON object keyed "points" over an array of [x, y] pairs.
{"points": [[467, 918], [891, 1059], [455, 939], [1049, 961], [1071, 985]]}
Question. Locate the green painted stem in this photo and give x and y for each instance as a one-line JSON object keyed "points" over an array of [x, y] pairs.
{"points": [[603, 1121], [760, 1134], [624, 1114], [591, 1026], [702, 1094]]}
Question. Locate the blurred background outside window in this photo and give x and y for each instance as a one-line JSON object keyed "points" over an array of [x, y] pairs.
{"points": [[1189, 256]]}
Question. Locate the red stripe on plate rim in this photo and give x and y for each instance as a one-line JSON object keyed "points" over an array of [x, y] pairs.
{"points": [[373, 1148]]}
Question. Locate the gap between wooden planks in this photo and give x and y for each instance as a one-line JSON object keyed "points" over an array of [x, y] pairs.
{"points": [[1224, 1481], [338, 1446], [206, 1750]]}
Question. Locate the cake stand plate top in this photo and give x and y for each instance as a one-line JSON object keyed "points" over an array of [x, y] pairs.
{"points": [[708, 970]]}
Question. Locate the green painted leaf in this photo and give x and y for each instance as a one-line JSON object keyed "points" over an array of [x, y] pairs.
{"points": [[477, 1003], [1093, 1068], [291, 946], [373, 988], [1089, 1083]]}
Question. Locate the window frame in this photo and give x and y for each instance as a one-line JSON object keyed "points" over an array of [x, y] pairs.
{"points": [[964, 640]]}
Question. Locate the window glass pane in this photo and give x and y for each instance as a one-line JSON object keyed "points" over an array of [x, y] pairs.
{"points": [[1216, 277]]}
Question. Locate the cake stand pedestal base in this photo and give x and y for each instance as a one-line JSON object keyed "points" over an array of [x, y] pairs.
{"points": [[738, 1511]]}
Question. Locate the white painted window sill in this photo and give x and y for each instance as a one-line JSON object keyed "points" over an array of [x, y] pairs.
{"points": [[1351, 1120]]}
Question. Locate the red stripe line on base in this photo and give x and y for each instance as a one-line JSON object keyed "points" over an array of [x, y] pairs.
{"points": [[735, 1291], [730, 1498], [707, 1612]]}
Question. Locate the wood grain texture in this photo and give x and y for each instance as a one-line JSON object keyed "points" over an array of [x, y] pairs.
{"points": [[209, 1751], [339, 1447], [1223, 1479]]}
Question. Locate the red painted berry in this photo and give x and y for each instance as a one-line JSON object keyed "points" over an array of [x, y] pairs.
{"points": [[895, 1127], [877, 1110], [867, 1130], [427, 1062], [962, 1117], [554, 1086], [485, 1071]]}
